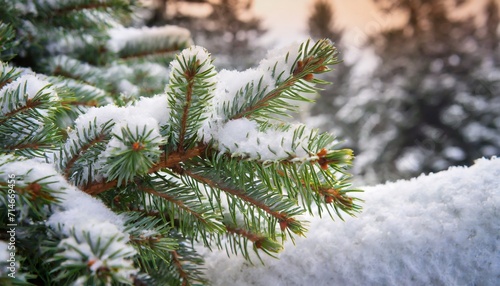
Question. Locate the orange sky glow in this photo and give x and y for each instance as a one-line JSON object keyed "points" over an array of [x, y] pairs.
{"points": [[286, 20]]}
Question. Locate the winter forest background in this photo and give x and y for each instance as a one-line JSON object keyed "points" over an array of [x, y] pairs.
{"points": [[417, 91]]}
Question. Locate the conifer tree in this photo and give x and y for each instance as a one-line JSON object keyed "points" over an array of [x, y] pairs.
{"points": [[122, 148], [228, 28]]}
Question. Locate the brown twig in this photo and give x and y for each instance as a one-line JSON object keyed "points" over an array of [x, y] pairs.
{"points": [[170, 161], [189, 74], [150, 53], [171, 199], [177, 262], [238, 193], [84, 148], [30, 104]]}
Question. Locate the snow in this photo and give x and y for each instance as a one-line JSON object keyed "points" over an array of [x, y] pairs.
{"points": [[242, 137], [196, 53], [36, 87], [78, 209], [132, 116], [141, 128], [76, 214], [120, 37], [4, 256], [156, 106], [226, 96], [281, 61], [439, 229], [230, 82]]}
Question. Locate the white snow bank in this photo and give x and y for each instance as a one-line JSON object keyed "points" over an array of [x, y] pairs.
{"points": [[440, 229]]}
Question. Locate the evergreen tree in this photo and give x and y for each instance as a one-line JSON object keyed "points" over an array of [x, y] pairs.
{"points": [[433, 102], [230, 28], [121, 148], [321, 21], [321, 24]]}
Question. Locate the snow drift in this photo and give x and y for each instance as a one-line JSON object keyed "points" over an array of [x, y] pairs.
{"points": [[439, 229]]}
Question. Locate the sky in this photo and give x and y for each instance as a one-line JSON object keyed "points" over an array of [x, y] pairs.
{"points": [[286, 20]]}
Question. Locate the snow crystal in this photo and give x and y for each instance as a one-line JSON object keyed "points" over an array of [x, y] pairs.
{"points": [[440, 229]]}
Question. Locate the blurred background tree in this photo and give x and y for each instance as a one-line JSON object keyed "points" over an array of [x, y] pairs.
{"points": [[432, 102], [321, 24], [228, 28]]}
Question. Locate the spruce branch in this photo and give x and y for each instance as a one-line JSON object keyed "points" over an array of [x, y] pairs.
{"points": [[259, 241], [87, 5], [183, 274], [254, 194], [201, 162], [170, 52], [131, 152], [154, 44], [7, 43], [189, 92], [203, 215], [166, 161], [75, 14], [309, 61], [84, 148]]}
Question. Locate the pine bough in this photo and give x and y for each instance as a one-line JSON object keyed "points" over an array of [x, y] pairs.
{"points": [[106, 187]]}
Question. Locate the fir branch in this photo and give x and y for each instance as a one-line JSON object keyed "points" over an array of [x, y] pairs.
{"points": [[5, 82], [253, 237], [177, 262], [30, 105], [177, 202], [189, 93], [7, 40], [264, 102], [238, 193], [142, 54], [310, 61], [259, 241], [96, 140], [7, 73], [166, 161], [84, 6], [60, 71], [173, 159], [185, 113], [32, 145]]}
